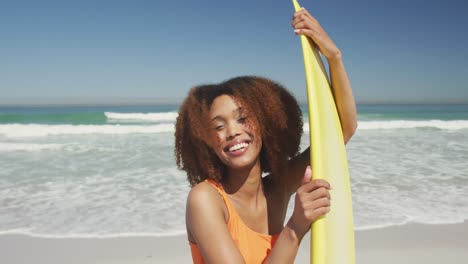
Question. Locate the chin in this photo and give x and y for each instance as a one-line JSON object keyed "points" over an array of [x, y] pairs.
{"points": [[241, 164]]}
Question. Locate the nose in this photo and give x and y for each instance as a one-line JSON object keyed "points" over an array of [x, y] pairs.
{"points": [[233, 130]]}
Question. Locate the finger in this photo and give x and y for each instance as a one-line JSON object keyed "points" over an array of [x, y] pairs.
{"points": [[313, 215], [307, 25], [307, 197], [314, 184], [308, 15], [317, 198], [298, 12], [307, 32], [298, 17], [322, 202], [322, 211], [304, 15], [303, 21], [312, 205], [301, 24], [314, 35], [319, 194], [307, 175], [310, 198], [296, 21]]}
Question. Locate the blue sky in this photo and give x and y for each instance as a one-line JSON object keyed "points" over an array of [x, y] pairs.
{"points": [[395, 51]]}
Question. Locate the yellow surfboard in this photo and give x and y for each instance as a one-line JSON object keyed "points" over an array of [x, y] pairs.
{"points": [[332, 237]]}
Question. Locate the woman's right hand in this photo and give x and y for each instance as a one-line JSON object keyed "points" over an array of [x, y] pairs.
{"points": [[305, 24], [312, 201]]}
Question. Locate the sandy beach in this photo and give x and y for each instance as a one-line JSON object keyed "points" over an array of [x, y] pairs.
{"points": [[413, 243]]}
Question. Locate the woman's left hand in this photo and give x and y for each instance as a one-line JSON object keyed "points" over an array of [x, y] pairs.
{"points": [[305, 24]]}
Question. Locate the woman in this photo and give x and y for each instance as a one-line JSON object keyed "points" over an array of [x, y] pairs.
{"points": [[230, 134]]}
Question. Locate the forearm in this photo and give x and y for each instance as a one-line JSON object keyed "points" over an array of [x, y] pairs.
{"points": [[286, 247], [343, 94]]}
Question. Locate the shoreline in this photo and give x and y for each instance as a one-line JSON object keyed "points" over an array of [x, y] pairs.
{"points": [[411, 243], [182, 233]]}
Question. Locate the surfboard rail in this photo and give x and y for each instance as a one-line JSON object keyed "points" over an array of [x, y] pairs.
{"points": [[332, 236]]}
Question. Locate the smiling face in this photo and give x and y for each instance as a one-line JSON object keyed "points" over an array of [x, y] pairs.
{"points": [[238, 141]]}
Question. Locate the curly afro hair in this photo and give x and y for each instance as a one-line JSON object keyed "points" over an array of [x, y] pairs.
{"points": [[277, 114]]}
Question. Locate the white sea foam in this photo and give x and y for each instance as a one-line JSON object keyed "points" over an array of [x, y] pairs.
{"points": [[396, 124], [138, 117], [30, 233], [407, 124], [36, 130], [104, 186], [7, 146], [39, 130]]}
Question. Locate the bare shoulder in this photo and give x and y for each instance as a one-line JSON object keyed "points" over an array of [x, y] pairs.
{"points": [[203, 202], [206, 222], [202, 194]]}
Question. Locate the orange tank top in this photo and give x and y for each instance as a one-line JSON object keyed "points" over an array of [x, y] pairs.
{"points": [[253, 246]]}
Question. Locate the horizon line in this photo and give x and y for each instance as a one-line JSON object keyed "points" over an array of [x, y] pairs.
{"points": [[135, 101]]}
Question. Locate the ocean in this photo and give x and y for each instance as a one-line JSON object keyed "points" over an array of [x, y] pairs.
{"points": [[109, 171]]}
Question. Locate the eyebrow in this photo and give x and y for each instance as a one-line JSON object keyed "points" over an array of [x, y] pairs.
{"points": [[239, 110]]}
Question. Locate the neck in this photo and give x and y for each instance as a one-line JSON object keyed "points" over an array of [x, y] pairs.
{"points": [[245, 183]]}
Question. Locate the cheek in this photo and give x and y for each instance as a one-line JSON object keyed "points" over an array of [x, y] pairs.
{"points": [[215, 139], [252, 126]]}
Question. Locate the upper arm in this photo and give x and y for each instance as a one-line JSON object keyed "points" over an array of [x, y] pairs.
{"points": [[295, 171], [297, 165], [348, 132], [207, 226]]}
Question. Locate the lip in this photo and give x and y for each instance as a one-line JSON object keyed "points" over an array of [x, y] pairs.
{"points": [[237, 152]]}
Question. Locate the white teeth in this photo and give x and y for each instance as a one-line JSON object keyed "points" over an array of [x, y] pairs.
{"points": [[238, 146]]}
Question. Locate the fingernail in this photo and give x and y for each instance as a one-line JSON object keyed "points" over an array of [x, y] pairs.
{"points": [[296, 31]]}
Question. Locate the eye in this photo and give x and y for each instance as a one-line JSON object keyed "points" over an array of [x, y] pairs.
{"points": [[242, 119], [219, 127]]}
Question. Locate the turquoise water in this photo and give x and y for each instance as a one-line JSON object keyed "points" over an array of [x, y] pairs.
{"points": [[100, 171], [413, 112], [96, 115], [78, 115]]}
